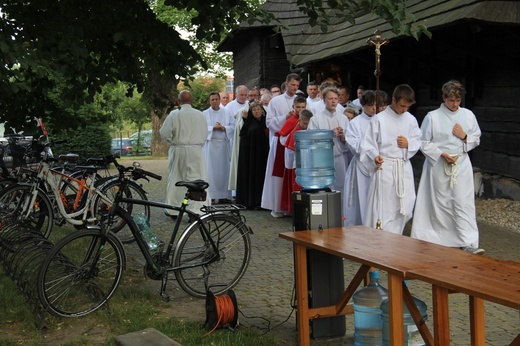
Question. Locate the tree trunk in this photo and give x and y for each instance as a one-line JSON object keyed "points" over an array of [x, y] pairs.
{"points": [[160, 93]]}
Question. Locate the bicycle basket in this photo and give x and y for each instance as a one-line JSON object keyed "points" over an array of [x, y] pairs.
{"points": [[197, 195]]}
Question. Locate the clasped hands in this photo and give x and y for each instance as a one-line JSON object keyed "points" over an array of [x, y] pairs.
{"points": [[338, 132], [218, 126]]}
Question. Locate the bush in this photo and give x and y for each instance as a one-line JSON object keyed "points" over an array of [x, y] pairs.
{"points": [[91, 141]]}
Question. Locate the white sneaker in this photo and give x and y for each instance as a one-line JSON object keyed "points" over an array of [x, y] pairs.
{"points": [[473, 250], [277, 215]]}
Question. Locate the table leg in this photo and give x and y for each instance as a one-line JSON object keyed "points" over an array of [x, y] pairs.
{"points": [[395, 304], [441, 316], [476, 312], [302, 301]]}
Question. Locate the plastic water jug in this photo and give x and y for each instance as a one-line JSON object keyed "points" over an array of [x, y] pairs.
{"points": [[368, 326], [412, 337], [314, 158]]}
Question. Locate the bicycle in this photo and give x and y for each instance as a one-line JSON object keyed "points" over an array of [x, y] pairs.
{"points": [[83, 270], [108, 184], [41, 201]]}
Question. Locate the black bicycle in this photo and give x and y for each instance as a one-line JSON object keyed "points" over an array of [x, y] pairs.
{"points": [[83, 270]]}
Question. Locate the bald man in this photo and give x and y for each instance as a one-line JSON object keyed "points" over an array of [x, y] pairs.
{"points": [[186, 130]]}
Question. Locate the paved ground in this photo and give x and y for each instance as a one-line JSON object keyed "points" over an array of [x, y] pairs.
{"points": [[265, 294]]}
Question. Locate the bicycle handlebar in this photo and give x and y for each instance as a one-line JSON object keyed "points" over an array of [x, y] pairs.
{"points": [[150, 174]]}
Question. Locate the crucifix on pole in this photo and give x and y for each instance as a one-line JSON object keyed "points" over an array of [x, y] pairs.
{"points": [[377, 41]]}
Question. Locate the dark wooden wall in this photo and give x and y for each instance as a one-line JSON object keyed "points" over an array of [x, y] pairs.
{"points": [[480, 55], [259, 59]]}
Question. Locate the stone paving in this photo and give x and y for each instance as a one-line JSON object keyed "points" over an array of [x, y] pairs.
{"points": [[265, 294]]}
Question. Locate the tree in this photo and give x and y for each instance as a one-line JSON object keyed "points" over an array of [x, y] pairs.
{"points": [[200, 89], [57, 55]]}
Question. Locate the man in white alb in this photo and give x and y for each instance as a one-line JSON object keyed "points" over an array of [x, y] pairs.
{"points": [[445, 207], [278, 111], [393, 137], [217, 149], [186, 130]]}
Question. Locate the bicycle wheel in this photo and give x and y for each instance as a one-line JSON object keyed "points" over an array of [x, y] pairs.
{"points": [[134, 191], [81, 273], [231, 236], [14, 200]]}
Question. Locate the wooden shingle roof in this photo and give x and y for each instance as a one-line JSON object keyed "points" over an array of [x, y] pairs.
{"points": [[304, 44]]}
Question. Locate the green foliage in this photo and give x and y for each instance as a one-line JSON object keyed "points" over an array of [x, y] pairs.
{"points": [[217, 63], [57, 56], [201, 88], [321, 13], [81, 46], [92, 141]]}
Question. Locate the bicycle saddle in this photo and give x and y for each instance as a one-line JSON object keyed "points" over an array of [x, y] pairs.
{"points": [[195, 185], [69, 157], [97, 161]]}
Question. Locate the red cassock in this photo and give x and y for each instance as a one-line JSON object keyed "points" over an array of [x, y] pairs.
{"points": [[289, 184]]}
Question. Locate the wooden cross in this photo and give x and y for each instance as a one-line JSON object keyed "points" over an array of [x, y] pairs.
{"points": [[377, 42]]}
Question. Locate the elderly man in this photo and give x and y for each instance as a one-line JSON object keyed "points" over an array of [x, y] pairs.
{"points": [[240, 101], [186, 130]]}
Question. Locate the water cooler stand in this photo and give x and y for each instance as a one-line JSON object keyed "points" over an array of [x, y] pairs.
{"points": [[314, 210]]}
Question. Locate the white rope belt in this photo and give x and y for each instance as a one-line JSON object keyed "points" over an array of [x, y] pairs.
{"points": [[400, 187], [451, 170]]}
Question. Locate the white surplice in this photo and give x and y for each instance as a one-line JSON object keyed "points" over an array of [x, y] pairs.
{"points": [[391, 194], [277, 111], [217, 151], [357, 180], [445, 207], [186, 131], [326, 120]]}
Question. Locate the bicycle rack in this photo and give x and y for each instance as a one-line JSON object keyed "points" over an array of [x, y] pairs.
{"points": [[22, 252]]}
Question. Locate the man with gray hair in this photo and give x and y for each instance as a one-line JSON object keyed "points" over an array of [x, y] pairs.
{"points": [[186, 130], [240, 101]]}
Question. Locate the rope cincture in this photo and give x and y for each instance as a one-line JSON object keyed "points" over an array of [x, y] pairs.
{"points": [[400, 185], [380, 198], [451, 170]]}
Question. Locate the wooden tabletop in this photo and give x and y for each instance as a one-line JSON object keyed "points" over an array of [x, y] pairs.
{"points": [[390, 252], [484, 277]]}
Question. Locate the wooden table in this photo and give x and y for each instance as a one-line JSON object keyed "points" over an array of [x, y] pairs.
{"points": [[392, 253], [403, 258], [481, 278]]}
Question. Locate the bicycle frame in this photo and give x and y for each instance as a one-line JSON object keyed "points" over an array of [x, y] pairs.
{"points": [[176, 230], [54, 180]]}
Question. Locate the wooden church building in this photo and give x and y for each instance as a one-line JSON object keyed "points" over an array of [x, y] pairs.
{"points": [[473, 41]]}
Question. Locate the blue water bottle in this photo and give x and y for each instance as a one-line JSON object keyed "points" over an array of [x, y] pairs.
{"points": [[314, 159], [368, 326], [412, 336]]}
